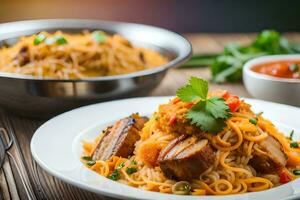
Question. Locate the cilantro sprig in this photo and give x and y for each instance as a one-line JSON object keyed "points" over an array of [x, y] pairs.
{"points": [[209, 114]]}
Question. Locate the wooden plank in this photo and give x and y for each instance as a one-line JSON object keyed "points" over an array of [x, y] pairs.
{"points": [[14, 195], [4, 190]]}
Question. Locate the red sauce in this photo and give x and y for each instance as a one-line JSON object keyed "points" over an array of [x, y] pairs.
{"points": [[281, 69]]}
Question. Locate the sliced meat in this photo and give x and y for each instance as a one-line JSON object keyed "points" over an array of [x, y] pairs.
{"points": [[119, 139], [263, 164], [274, 159], [186, 158]]}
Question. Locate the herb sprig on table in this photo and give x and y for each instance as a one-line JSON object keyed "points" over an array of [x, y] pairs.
{"points": [[227, 66], [209, 114]]}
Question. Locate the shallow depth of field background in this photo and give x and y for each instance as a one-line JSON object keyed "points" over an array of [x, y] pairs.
{"points": [[178, 15]]}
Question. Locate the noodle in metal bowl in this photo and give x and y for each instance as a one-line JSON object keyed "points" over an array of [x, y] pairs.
{"points": [[75, 56]]}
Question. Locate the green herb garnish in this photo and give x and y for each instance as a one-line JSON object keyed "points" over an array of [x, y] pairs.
{"points": [[99, 36], [115, 175], [91, 163], [294, 67], [296, 172], [133, 162], [121, 166], [131, 170], [228, 65], [50, 40], [209, 114], [181, 188], [291, 135], [38, 39], [87, 158], [253, 121], [294, 145], [60, 40]]}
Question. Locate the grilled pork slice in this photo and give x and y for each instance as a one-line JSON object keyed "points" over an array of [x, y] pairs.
{"points": [[186, 158], [274, 159], [119, 139]]}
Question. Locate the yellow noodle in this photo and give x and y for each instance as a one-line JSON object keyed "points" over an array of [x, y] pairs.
{"points": [[234, 147], [81, 56]]}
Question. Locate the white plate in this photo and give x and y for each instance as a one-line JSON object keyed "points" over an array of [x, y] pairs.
{"points": [[56, 146]]}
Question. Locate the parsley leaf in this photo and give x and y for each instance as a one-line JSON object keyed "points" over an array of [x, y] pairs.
{"points": [[196, 89], [209, 114], [201, 117], [218, 108]]}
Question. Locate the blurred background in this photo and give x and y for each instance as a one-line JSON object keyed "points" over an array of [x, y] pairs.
{"points": [[177, 15]]}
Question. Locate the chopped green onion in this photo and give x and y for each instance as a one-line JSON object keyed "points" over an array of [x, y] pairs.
{"points": [[253, 121], [60, 40], [50, 41], [133, 162], [294, 145], [91, 162], [294, 67], [291, 135], [38, 39], [99, 36], [296, 172], [131, 170], [121, 166], [87, 158], [181, 188], [115, 175]]}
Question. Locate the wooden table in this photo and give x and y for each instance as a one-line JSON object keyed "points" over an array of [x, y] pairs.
{"points": [[46, 186]]}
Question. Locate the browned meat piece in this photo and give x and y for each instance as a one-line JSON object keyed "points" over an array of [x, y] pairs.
{"points": [[22, 57], [274, 159], [119, 139], [263, 164], [186, 158]]}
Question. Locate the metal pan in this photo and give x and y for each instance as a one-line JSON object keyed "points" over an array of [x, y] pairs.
{"points": [[44, 97]]}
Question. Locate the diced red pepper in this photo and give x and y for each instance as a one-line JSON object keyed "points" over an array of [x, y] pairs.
{"points": [[225, 94], [284, 177], [175, 100], [233, 103], [173, 119]]}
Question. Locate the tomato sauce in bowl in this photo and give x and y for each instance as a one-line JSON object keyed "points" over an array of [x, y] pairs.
{"points": [[280, 69]]}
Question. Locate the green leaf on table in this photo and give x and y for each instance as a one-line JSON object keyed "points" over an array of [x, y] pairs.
{"points": [[228, 65]]}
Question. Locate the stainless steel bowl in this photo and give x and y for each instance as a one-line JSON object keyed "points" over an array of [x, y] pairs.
{"points": [[44, 97]]}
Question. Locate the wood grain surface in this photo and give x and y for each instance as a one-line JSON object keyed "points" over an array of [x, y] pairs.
{"points": [[45, 186]]}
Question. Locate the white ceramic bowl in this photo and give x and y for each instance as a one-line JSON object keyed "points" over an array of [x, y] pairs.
{"points": [[282, 90]]}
